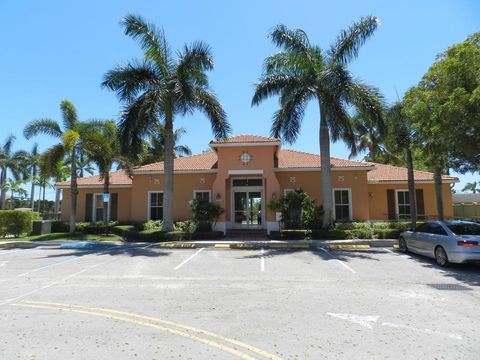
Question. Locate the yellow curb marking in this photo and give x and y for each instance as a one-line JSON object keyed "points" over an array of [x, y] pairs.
{"points": [[224, 246], [178, 245], [349, 246], [107, 313], [395, 246]]}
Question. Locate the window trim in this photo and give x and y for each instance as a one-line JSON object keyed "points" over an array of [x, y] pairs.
{"points": [[94, 208], [397, 209], [350, 205], [149, 202], [203, 191]]}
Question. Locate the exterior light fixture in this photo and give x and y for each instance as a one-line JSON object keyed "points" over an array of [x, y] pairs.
{"points": [[218, 197]]}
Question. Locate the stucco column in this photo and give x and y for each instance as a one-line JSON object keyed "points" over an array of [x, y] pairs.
{"points": [[272, 190], [218, 198]]}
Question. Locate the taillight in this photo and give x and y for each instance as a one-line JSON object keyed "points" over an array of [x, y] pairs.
{"points": [[467, 243]]}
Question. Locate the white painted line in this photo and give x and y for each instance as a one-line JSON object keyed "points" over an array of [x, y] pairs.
{"points": [[338, 260], [64, 279], [190, 258], [362, 320], [426, 331], [388, 250], [262, 260], [8, 252], [3, 263]]}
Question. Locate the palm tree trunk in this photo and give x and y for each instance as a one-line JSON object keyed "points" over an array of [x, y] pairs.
{"points": [[168, 174], [39, 198], [57, 203], [73, 192], [437, 178], [106, 190], [43, 198], [81, 164], [373, 154], [3, 192], [32, 192], [11, 199], [411, 188], [324, 138]]}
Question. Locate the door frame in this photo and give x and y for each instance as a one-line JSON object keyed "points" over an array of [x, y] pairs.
{"points": [[247, 189]]}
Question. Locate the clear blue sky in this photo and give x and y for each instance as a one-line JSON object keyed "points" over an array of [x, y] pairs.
{"points": [[54, 50]]}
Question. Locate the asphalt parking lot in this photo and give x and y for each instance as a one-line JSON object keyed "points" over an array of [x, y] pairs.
{"points": [[146, 302]]}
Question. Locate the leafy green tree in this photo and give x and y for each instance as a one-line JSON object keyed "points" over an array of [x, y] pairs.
{"points": [[445, 110], [71, 137], [471, 187], [302, 72], [13, 162], [157, 89]]}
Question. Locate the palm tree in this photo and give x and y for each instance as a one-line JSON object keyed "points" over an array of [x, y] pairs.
{"points": [[32, 160], [158, 88], [71, 137], [13, 162], [15, 187], [401, 136], [471, 187], [302, 72], [154, 148], [103, 148], [369, 136]]}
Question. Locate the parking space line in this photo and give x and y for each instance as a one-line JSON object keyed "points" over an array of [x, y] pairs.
{"points": [[187, 260], [388, 250], [337, 260], [262, 260]]}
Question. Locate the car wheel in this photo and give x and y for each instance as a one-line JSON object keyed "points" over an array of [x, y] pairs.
{"points": [[441, 256], [402, 245]]}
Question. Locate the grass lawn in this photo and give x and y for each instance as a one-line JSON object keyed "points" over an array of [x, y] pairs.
{"points": [[66, 236]]}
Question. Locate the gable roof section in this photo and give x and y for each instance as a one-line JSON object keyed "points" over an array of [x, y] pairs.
{"points": [[118, 178], [292, 159], [388, 173], [245, 139]]}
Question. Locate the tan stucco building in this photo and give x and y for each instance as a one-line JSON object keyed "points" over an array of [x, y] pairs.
{"points": [[243, 173]]}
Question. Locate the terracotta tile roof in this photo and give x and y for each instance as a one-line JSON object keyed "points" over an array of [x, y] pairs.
{"points": [[244, 138], [119, 177], [205, 161], [288, 159], [388, 173]]}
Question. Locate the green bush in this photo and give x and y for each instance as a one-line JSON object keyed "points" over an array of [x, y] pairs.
{"points": [[360, 233], [329, 234], [15, 222], [188, 226], [289, 235], [153, 225], [205, 213], [60, 226], [127, 232], [313, 217], [388, 233], [95, 228]]}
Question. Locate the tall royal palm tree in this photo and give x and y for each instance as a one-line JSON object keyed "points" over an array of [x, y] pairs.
{"points": [[401, 137], [160, 87], [302, 72], [15, 187], [71, 137], [13, 162], [32, 160], [154, 146]]}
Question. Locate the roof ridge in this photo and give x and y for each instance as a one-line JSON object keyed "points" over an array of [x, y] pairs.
{"points": [[404, 167], [180, 157], [331, 157]]}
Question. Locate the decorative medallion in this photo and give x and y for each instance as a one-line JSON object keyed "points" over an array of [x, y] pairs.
{"points": [[245, 158]]}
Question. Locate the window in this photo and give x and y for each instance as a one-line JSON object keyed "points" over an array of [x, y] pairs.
{"points": [[403, 204], [247, 182], [424, 228], [98, 208], [464, 228], [437, 229], [203, 195], [342, 204], [155, 205]]}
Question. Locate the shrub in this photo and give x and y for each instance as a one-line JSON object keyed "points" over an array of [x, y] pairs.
{"points": [[95, 228], [289, 235], [153, 225], [388, 233], [342, 226], [15, 222], [329, 234], [127, 232], [293, 206], [188, 226], [60, 226], [360, 233], [204, 213], [313, 217]]}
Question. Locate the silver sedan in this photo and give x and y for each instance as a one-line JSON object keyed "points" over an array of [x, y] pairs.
{"points": [[445, 241]]}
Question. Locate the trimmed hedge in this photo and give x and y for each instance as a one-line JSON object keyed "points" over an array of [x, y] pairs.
{"points": [[132, 233], [15, 222], [388, 233], [60, 227]]}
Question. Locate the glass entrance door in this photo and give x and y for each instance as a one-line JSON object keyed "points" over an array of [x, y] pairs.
{"points": [[247, 209]]}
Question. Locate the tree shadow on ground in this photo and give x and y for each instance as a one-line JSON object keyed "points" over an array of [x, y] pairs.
{"points": [[121, 250], [344, 255]]}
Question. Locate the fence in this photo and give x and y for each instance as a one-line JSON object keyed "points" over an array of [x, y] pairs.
{"points": [[467, 211]]}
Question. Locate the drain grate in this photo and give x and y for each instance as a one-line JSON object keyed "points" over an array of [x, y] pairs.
{"points": [[448, 287]]}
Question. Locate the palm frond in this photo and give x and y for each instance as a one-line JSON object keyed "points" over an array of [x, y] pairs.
{"points": [[182, 150], [293, 40], [7, 145], [351, 39], [151, 39], [42, 126], [129, 80], [273, 85], [207, 102], [196, 57], [69, 115], [52, 157]]}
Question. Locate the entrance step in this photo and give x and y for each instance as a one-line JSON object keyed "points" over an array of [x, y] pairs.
{"points": [[246, 235]]}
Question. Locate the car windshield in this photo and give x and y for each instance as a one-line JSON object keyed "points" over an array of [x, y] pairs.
{"points": [[465, 229]]}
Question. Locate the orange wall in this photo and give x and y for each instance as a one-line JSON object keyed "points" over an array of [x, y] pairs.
{"points": [[378, 199], [184, 184], [310, 182], [124, 202]]}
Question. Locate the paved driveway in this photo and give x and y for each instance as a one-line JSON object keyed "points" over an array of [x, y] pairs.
{"points": [[149, 303]]}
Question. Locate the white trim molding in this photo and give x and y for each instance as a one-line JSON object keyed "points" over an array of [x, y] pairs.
{"points": [[246, 172], [175, 172], [149, 200], [397, 210], [94, 207], [99, 186], [337, 168], [350, 205], [388, 182], [240, 144]]}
